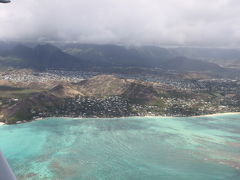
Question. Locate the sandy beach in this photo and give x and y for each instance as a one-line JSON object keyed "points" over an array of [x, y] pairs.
{"points": [[217, 114], [1, 123], [206, 115], [149, 116]]}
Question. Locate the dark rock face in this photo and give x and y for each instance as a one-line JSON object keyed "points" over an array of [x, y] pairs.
{"points": [[140, 93]]}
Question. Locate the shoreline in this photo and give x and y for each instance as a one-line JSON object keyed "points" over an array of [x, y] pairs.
{"points": [[1, 124], [217, 114], [205, 115], [199, 116]]}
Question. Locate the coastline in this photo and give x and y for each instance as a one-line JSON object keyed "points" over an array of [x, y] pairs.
{"points": [[217, 114], [204, 115], [1, 124], [94, 117], [150, 116]]}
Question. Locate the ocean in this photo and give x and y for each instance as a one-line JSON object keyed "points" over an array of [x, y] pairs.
{"points": [[136, 148]]}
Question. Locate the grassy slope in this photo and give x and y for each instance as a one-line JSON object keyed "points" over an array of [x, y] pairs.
{"points": [[13, 92], [139, 93]]}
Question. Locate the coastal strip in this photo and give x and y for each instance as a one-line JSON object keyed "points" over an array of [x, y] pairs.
{"points": [[1, 123], [218, 114], [147, 116]]}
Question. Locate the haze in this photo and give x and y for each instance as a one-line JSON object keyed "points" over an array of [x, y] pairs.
{"points": [[186, 22]]}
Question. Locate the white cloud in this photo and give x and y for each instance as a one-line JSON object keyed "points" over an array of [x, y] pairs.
{"points": [[195, 22]]}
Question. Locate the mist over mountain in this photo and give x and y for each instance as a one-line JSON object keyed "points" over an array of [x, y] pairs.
{"points": [[43, 57], [116, 58], [111, 34], [155, 22]]}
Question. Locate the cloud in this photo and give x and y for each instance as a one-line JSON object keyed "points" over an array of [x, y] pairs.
{"points": [[185, 22]]}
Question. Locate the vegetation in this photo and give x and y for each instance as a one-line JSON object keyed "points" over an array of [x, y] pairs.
{"points": [[110, 96], [14, 92]]}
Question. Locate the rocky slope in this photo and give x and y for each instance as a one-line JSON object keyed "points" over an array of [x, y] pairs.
{"points": [[108, 96], [95, 89]]}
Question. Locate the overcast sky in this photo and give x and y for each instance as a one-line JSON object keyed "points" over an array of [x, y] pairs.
{"points": [[189, 22]]}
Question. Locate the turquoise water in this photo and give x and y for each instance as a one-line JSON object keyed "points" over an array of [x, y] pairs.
{"points": [[202, 148]]}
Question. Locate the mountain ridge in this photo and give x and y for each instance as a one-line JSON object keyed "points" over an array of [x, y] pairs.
{"points": [[109, 89], [48, 56]]}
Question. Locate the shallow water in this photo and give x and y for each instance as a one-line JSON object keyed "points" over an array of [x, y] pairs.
{"points": [[200, 148]]}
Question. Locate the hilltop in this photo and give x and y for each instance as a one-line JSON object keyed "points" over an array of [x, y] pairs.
{"points": [[110, 96], [94, 89]]}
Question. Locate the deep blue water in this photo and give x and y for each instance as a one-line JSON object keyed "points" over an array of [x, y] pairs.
{"points": [[200, 148]]}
